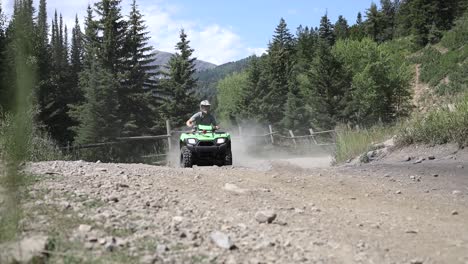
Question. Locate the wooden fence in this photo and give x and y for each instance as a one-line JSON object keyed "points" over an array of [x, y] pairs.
{"points": [[271, 137]]}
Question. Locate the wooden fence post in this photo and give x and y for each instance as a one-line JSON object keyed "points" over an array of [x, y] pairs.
{"points": [[271, 134], [292, 136], [168, 128], [311, 131]]}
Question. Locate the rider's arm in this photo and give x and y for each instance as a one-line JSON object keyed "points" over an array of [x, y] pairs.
{"points": [[192, 119], [215, 124]]}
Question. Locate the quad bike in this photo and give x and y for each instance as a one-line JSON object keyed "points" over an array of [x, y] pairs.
{"points": [[205, 146]]}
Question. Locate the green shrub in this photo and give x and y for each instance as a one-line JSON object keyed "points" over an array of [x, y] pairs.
{"points": [[435, 66], [440, 126]]}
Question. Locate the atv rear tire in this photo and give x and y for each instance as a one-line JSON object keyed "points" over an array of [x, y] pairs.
{"points": [[186, 158], [228, 158]]}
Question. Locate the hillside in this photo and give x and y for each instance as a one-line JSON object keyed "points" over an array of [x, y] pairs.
{"points": [[208, 79], [162, 58], [441, 69]]}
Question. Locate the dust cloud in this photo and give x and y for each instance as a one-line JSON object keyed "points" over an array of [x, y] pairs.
{"points": [[247, 152]]}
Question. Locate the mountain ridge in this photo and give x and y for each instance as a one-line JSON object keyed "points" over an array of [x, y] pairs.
{"points": [[163, 57]]}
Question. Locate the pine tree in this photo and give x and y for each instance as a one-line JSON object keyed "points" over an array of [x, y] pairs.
{"points": [[328, 83], [305, 47], [90, 38], [103, 74], [359, 18], [97, 116], [373, 23], [60, 92], [2, 28], [281, 53], [65, 58], [113, 28], [2, 58], [388, 11], [341, 28], [296, 116], [112, 54], [251, 97], [356, 31], [446, 11], [326, 30], [181, 100], [402, 19], [57, 47], [422, 18], [76, 62], [138, 105], [43, 56]]}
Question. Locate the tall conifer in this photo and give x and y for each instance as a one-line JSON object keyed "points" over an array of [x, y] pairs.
{"points": [[138, 105], [281, 53], [180, 84]]}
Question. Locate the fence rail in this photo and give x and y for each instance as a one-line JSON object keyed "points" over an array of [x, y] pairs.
{"points": [[270, 137]]}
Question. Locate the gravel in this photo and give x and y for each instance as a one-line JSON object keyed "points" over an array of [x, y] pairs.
{"points": [[170, 215]]}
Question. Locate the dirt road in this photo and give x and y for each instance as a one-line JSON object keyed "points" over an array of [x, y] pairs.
{"points": [[388, 212]]}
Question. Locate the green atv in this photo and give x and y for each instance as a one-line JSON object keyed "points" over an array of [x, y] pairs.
{"points": [[204, 146]]}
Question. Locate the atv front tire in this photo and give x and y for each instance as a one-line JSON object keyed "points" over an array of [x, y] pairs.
{"points": [[228, 158], [186, 158]]}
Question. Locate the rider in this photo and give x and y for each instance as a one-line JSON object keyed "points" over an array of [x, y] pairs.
{"points": [[203, 117]]}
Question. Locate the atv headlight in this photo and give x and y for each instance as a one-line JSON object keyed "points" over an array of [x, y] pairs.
{"points": [[192, 141], [220, 140]]}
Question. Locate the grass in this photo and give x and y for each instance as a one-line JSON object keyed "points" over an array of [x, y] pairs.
{"points": [[351, 143], [439, 126], [448, 124]]}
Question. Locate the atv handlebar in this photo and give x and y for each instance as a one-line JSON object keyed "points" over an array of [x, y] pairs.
{"points": [[197, 128]]}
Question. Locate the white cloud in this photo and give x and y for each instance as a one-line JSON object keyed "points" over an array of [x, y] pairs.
{"points": [[212, 42], [256, 51], [216, 44]]}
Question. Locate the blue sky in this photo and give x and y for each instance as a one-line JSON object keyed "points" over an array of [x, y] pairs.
{"points": [[220, 31]]}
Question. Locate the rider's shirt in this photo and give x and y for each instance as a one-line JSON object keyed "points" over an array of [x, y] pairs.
{"points": [[203, 119]]}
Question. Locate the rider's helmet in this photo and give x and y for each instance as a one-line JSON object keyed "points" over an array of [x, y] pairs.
{"points": [[205, 106]]}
